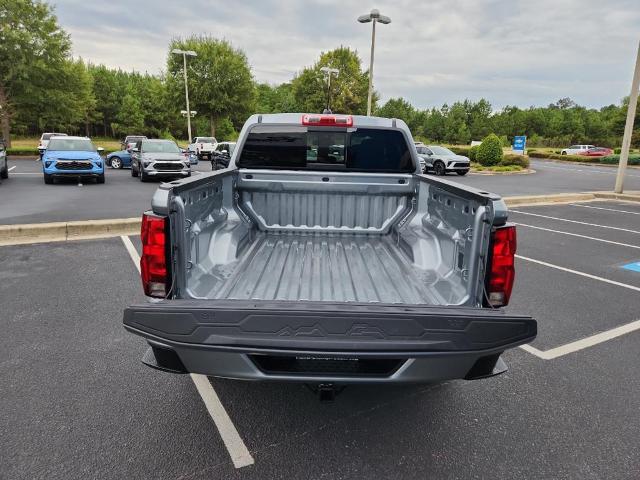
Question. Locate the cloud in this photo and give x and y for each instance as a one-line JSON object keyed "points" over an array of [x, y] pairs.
{"points": [[521, 52]]}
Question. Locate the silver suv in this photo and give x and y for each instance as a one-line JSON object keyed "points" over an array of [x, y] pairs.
{"points": [[158, 159]]}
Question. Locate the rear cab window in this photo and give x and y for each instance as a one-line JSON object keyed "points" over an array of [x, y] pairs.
{"points": [[326, 148]]}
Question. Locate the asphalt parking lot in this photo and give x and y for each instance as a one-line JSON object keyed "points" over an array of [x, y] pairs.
{"points": [[26, 199], [77, 402]]}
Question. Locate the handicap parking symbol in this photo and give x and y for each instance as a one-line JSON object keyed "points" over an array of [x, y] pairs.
{"points": [[634, 267]]}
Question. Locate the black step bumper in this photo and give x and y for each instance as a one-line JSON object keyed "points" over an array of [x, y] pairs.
{"points": [[314, 341]]}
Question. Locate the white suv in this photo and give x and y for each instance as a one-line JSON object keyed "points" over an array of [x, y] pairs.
{"points": [[575, 149]]}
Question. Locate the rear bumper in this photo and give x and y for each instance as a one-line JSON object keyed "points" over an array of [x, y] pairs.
{"points": [[336, 343]]}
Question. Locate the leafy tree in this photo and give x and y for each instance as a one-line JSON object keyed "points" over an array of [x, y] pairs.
{"points": [[490, 151], [130, 118], [399, 108], [349, 88], [220, 80], [32, 46]]}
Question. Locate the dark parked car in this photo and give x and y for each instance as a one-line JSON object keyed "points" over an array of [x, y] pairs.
{"points": [[131, 140], [222, 155]]}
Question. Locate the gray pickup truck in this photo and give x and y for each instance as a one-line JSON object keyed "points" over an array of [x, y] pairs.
{"points": [[323, 255]]}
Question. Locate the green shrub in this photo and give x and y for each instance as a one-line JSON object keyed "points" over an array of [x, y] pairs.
{"points": [[530, 150], [490, 151], [617, 151], [473, 152], [615, 159], [515, 160]]}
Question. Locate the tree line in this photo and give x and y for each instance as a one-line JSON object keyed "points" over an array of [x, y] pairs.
{"points": [[42, 88]]}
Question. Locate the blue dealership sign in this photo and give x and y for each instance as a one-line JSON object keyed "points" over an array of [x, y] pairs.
{"points": [[519, 143]]}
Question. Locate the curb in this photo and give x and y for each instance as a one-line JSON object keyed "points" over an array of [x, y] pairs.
{"points": [[559, 198], [526, 171], [524, 200], [63, 231]]}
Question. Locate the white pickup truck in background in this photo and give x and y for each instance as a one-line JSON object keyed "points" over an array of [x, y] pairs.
{"points": [[203, 147]]}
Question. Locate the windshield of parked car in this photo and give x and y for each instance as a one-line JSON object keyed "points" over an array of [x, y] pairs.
{"points": [[71, 145], [205, 140], [160, 147], [441, 151], [300, 148], [423, 150]]}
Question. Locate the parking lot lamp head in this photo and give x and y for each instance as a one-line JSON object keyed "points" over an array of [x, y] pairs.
{"points": [[184, 54], [374, 17]]}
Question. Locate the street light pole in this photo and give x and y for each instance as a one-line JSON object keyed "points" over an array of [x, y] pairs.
{"points": [[184, 54], [329, 72], [628, 128], [375, 17]]}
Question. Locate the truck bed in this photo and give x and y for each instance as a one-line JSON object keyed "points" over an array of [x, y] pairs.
{"points": [[343, 268]]}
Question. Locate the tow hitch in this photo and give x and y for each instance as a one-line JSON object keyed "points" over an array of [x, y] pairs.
{"points": [[326, 392]]}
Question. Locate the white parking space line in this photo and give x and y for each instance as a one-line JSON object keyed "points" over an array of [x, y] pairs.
{"points": [[588, 341], [584, 342], [582, 274], [575, 221], [603, 208], [240, 455], [12, 168], [27, 173], [578, 235]]}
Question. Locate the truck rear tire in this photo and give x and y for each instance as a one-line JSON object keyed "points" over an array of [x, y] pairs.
{"points": [[134, 172], [4, 173]]}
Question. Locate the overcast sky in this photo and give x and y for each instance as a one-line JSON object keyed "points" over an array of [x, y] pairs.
{"points": [[511, 52]]}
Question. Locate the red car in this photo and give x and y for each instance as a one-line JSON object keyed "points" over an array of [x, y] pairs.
{"points": [[596, 152]]}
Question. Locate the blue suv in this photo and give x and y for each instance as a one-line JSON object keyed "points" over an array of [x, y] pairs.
{"points": [[72, 157]]}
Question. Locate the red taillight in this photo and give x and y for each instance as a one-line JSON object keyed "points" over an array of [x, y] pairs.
{"points": [[328, 120], [153, 263], [502, 272]]}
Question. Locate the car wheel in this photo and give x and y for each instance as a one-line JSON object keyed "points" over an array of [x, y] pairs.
{"points": [[134, 172], [48, 179], [100, 178], [439, 168], [116, 162], [563, 153], [462, 173], [143, 176], [4, 173]]}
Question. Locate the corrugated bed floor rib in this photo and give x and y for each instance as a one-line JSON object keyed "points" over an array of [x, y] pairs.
{"points": [[327, 268]]}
